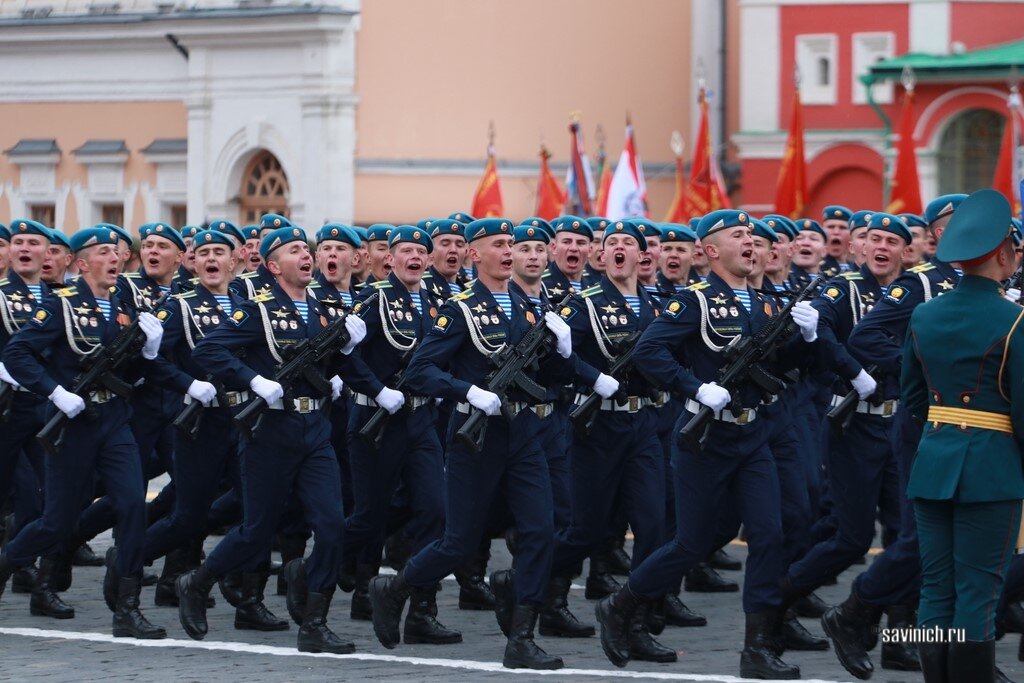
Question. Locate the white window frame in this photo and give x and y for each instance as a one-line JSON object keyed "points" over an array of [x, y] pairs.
{"points": [[863, 55], [810, 47]]}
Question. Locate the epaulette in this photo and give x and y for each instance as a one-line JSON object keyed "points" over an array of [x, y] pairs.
{"points": [[852, 275], [262, 298], [380, 284], [185, 295], [922, 268], [461, 295], [315, 284], [590, 291], [248, 274], [132, 275], [546, 273], [427, 275], [194, 280], [4, 282], [469, 283], [698, 285], [66, 291]]}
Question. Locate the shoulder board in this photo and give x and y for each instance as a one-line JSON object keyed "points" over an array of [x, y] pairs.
{"points": [[194, 280], [66, 291], [185, 295], [546, 273], [4, 282], [922, 268], [315, 284], [380, 284], [132, 275], [852, 276], [469, 283], [698, 285], [461, 295], [262, 298], [427, 275], [590, 291], [248, 274]]}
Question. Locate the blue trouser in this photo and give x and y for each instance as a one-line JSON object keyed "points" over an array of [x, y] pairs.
{"points": [[290, 453], [894, 576], [341, 411], [620, 459], [27, 493], [735, 458], [199, 466], [18, 451], [102, 445], [556, 433], [409, 452], [856, 463], [785, 445], [668, 415], [965, 554], [510, 461]]}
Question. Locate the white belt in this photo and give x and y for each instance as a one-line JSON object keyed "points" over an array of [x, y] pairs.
{"points": [[515, 407], [231, 399], [885, 408], [663, 398], [746, 415], [302, 404], [412, 402], [630, 404]]}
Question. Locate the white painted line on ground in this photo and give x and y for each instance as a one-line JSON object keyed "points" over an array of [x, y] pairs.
{"points": [[467, 665]]}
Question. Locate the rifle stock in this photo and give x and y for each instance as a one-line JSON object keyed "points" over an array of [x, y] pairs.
{"points": [[840, 416]]}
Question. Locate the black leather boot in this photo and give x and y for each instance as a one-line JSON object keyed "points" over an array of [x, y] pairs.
{"points": [[556, 620], [642, 645], [347, 573], [251, 614], [387, 599], [474, 593], [614, 616], [5, 572], [521, 652], [85, 557], [45, 602], [175, 563], [503, 587], [291, 547], [110, 578], [23, 580], [361, 609], [231, 588], [933, 661], [600, 582], [972, 661], [421, 624], [619, 560], [758, 659], [397, 550], [810, 606], [678, 614], [294, 574], [60, 581], [128, 620], [722, 560], [193, 587], [314, 635], [796, 637], [704, 579], [847, 626], [655, 617], [899, 655]]}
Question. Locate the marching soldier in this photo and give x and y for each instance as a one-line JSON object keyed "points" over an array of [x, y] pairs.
{"points": [[378, 254], [58, 259], [251, 283], [677, 245], [595, 264], [835, 221], [444, 276], [914, 254], [859, 236], [570, 250]]}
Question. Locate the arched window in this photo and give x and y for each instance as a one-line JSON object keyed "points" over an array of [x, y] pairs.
{"points": [[968, 151], [264, 188]]}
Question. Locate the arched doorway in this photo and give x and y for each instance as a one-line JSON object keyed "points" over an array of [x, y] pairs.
{"points": [[264, 188], [968, 151]]}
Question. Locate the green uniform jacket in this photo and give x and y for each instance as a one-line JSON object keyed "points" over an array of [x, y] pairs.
{"points": [[952, 358]]}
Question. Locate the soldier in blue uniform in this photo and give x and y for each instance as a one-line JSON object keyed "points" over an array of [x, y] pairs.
{"points": [[777, 268], [68, 325], [453, 363], [570, 250], [251, 283], [378, 254], [835, 221], [290, 450], [58, 260], [187, 270], [677, 245], [594, 269], [251, 235], [444, 276], [914, 255], [808, 252], [736, 456]]}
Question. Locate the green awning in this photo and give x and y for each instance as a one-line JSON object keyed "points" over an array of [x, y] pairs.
{"points": [[1002, 61]]}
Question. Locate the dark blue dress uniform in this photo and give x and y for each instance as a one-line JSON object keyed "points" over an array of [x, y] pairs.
{"points": [[252, 283]]}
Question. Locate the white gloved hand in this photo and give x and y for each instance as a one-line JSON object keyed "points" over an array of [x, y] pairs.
{"points": [[154, 332], [336, 386], [267, 389], [806, 318], [713, 396], [1012, 295], [484, 400], [66, 402], [204, 392], [562, 333], [6, 376], [390, 400], [864, 383], [606, 385], [356, 332]]}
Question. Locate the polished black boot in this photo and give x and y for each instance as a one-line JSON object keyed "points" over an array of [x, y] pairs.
{"points": [[291, 547], [900, 655], [231, 588], [45, 602], [521, 652], [193, 587], [971, 661], [600, 582], [85, 557], [722, 560], [503, 587], [847, 625], [642, 645], [387, 599], [619, 560], [614, 616], [397, 550], [60, 581], [810, 606], [421, 624], [294, 574], [933, 658], [314, 635], [23, 579], [361, 609], [347, 573], [110, 578], [796, 637], [704, 579], [759, 659], [556, 620], [678, 614], [655, 617], [128, 620], [251, 614], [175, 563], [474, 593]]}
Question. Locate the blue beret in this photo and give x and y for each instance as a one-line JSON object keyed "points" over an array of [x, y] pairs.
{"points": [[1017, 233], [98, 234], [362, 234], [781, 225], [447, 226], [122, 234], [761, 229], [646, 227], [530, 233], [5, 234], [942, 206], [189, 231], [598, 223], [24, 226], [722, 219], [378, 231], [574, 225], [228, 228], [836, 212], [336, 232], [913, 220], [204, 237], [410, 233], [250, 232], [677, 232], [486, 227], [461, 217], [810, 225], [273, 221], [425, 224], [279, 238], [626, 227], [860, 219], [59, 239], [538, 222], [890, 223], [162, 230], [693, 222], [979, 225]]}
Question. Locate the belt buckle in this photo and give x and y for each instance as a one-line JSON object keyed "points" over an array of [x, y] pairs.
{"points": [[634, 403], [304, 404], [744, 417], [233, 398], [887, 409]]}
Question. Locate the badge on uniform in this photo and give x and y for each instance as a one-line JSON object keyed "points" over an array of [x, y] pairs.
{"points": [[567, 312], [895, 294], [674, 308], [832, 294], [239, 317], [163, 314], [442, 324], [41, 317]]}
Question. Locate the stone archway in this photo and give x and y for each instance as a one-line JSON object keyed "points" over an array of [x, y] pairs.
{"points": [[264, 188], [968, 149]]}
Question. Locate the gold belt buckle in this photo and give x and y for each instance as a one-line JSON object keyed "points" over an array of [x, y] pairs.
{"points": [[887, 408], [744, 417], [634, 404], [304, 405], [233, 398]]}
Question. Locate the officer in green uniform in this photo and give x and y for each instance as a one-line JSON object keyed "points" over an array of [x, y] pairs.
{"points": [[963, 373]]}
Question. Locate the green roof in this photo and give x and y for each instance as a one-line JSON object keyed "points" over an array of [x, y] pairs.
{"points": [[995, 61]]}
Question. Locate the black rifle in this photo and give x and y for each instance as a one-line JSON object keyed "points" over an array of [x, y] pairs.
{"points": [[584, 414], [102, 364], [302, 359], [373, 431], [840, 416], [510, 365], [743, 355], [191, 417], [6, 400]]}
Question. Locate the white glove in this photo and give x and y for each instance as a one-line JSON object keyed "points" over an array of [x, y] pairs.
{"points": [[562, 333], [713, 396], [606, 385], [267, 389], [806, 318], [1012, 295], [6, 376], [204, 392], [356, 332], [154, 332], [66, 402], [336, 386], [390, 400], [484, 400], [864, 383]]}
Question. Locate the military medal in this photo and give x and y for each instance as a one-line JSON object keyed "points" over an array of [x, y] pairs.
{"points": [[293, 324], [714, 312], [206, 320], [93, 322], [733, 311], [83, 321], [622, 319], [216, 320], [723, 312]]}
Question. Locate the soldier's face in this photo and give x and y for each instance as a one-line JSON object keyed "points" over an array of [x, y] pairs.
{"points": [[410, 260], [649, 260], [762, 252], [99, 264], [571, 253], [808, 249], [335, 261], [124, 252], [215, 265], [622, 256], [885, 251], [5, 252], [731, 250], [253, 260], [529, 259], [914, 252], [858, 243], [700, 259], [160, 257], [596, 259], [292, 263], [188, 259], [27, 253], [379, 258], [838, 237], [675, 261], [448, 255], [492, 256], [56, 263], [779, 257]]}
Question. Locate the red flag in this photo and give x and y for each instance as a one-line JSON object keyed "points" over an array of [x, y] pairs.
{"points": [[602, 190], [676, 212], [704, 191], [791, 190], [487, 201], [905, 191], [550, 197], [1007, 178]]}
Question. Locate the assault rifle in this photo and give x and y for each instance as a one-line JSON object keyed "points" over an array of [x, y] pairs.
{"points": [[841, 414], [373, 431], [584, 414]]}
